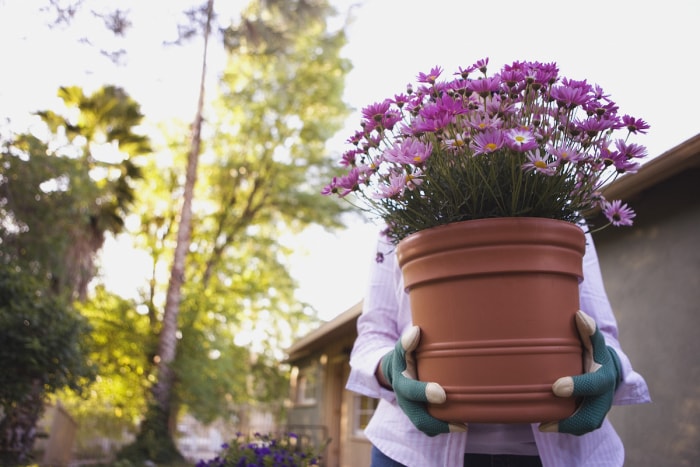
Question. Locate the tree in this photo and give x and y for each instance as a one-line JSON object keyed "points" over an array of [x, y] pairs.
{"points": [[122, 347], [262, 180], [59, 195], [262, 173], [62, 193], [43, 348], [154, 438]]}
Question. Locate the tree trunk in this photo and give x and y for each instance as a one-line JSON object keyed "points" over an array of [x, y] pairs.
{"points": [[162, 390]]}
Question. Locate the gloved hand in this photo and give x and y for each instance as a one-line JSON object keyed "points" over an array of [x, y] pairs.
{"points": [[398, 369], [597, 386]]}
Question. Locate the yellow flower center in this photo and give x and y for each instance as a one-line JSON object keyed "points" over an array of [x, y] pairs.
{"points": [[491, 146], [541, 164]]}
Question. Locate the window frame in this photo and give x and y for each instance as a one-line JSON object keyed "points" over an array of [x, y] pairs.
{"points": [[306, 386], [363, 408]]}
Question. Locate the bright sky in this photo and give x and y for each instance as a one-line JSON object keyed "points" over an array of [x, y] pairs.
{"points": [[641, 53]]}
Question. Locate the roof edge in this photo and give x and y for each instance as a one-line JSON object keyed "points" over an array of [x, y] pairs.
{"points": [[300, 347], [658, 169]]}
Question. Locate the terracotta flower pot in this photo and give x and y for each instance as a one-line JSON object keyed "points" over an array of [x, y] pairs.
{"points": [[495, 300]]}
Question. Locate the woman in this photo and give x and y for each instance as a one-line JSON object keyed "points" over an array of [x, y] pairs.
{"points": [[401, 431]]}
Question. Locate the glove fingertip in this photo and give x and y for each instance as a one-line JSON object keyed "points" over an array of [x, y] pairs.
{"points": [[435, 393], [585, 324], [410, 339], [563, 387]]}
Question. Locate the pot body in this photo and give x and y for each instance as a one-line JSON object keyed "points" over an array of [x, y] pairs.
{"points": [[495, 300]]}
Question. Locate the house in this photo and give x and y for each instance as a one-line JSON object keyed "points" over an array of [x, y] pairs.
{"points": [[652, 277], [320, 407]]}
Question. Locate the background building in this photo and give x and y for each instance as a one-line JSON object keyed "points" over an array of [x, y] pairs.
{"points": [[652, 276]]}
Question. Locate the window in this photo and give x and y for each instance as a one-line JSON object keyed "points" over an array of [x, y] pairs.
{"points": [[306, 386], [363, 410]]}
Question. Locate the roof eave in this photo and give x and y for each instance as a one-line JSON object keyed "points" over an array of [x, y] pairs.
{"points": [[317, 337], [663, 167]]}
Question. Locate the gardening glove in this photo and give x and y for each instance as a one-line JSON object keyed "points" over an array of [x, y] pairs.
{"points": [[597, 386], [399, 370]]}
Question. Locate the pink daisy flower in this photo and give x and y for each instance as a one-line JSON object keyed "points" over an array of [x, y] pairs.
{"points": [[535, 162], [521, 139], [617, 213], [488, 141]]}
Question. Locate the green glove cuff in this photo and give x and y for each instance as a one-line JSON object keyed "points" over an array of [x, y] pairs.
{"points": [[388, 363], [618, 366]]}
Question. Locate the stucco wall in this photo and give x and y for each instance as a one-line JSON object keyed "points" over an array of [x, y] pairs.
{"points": [[652, 276]]}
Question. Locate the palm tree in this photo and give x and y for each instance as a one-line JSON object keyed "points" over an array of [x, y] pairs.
{"points": [[65, 193]]}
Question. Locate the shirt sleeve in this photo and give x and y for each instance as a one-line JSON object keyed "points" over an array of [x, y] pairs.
{"points": [[377, 326], [594, 301]]}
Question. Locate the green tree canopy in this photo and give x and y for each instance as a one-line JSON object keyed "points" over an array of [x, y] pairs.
{"points": [[263, 162], [61, 191], [261, 173], [43, 348]]}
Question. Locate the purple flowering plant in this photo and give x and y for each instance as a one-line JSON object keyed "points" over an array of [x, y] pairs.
{"points": [[265, 450], [523, 142]]}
